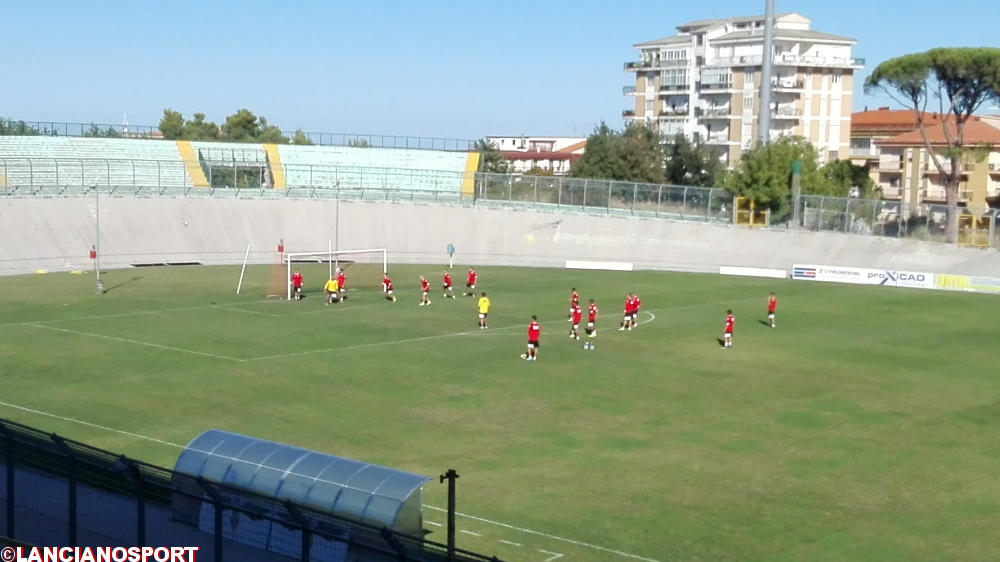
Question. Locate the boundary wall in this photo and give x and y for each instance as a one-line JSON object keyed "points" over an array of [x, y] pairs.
{"points": [[56, 234]]}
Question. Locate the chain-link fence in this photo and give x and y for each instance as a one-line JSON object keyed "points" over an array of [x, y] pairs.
{"points": [[58, 492]]}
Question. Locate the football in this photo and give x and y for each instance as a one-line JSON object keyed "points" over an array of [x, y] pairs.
{"points": [[524, 356]]}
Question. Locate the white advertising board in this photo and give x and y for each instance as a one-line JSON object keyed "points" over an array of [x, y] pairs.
{"points": [[606, 265], [863, 276], [753, 272]]}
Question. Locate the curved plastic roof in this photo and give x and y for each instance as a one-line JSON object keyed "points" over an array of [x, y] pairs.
{"points": [[349, 488]]}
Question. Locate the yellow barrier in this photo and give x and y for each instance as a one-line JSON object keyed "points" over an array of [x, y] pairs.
{"points": [[192, 164], [746, 213], [274, 161], [469, 177], [974, 231]]}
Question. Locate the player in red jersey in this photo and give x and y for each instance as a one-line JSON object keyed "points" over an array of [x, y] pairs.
{"points": [[387, 288], [627, 318], [574, 299], [575, 314], [470, 283], [425, 289], [342, 284], [591, 319], [534, 332], [727, 331], [636, 302], [446, 286], [297, 285], [772, 303]]}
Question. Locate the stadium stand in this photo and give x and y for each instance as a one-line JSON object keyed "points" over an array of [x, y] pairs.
{"points": [[49, 164], [357, 169]]}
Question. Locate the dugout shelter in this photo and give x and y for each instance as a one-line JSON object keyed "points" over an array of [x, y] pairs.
{"points": [[346, 488]]}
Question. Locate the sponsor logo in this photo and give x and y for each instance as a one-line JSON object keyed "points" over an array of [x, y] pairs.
{"points": [[897, 277], [804, 272]]}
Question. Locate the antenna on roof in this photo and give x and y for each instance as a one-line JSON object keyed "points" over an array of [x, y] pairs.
{"points": [[125, 123]]}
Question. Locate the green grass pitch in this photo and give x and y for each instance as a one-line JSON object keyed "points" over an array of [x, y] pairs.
{"points": [[865, 427]]}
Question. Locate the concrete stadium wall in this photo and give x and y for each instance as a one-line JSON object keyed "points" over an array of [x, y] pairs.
{"points": [[56, 234]]}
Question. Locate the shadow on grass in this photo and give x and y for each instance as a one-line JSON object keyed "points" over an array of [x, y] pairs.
{"points": [[764, 323], [722, 342], [122, 284]]}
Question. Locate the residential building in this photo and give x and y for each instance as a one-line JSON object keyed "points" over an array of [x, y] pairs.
{"points": [[907, 173], [704, 82], [557, 154]]}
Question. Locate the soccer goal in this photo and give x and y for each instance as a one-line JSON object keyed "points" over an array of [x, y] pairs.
{"points": [[332, 260]]}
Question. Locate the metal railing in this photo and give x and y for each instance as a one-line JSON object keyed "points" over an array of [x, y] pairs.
{"points": [[60, 492], [112, 130]]}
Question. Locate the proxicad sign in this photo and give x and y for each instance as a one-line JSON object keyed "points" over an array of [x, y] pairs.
{"points": [[863, 276]]}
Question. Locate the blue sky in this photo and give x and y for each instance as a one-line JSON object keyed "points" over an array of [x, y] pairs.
{"points": [[445, 69]]}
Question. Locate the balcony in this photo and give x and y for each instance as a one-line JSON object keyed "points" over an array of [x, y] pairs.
{"points": [[628, 113], [718, 139], [674, 86], [628, 90], [791, 60], [674, 63], [721, 112], [720, 87], [787, 84], [674, 111], [893, 192], [890, 164], [870, 151], [639, 66], [786, 113]]}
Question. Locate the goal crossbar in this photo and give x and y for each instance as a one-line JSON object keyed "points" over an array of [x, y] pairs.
{"points": [[331, 257]]}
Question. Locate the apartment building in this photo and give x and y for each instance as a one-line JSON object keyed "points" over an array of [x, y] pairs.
{"points": [[556, 154], [704, 82], [907, 173]]}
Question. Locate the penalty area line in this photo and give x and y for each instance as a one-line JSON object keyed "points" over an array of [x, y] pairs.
{"points": [[137, 342], [548, 536], [89, 424]]}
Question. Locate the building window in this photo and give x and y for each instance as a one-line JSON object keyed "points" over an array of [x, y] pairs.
{"points": [[673, 54], [673, 77], [832, 156], [836, 78], [749, 77], [861, 142]]}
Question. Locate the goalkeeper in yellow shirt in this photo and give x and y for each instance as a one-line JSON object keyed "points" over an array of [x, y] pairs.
{"points": [[484, 310]]}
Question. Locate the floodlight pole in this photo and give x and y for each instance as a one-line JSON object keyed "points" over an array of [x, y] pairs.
{"points": [[451, 476], [98, 284], [767, 63]]}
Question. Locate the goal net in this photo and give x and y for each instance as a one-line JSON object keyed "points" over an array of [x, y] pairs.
{"points": [[363, 268]]}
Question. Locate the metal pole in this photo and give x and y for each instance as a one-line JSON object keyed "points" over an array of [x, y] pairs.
{"points": [[767, 61], [451, 476], [10, 479], [98, 285]]}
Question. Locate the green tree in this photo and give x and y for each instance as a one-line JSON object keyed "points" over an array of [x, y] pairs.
{"points": [[491, 159], [845, 176], [172, 124], [961, 79], [358, 143], [300, 137], [241, 126], [765, 174], [95, 131], [601, 159], [270, 133], [641, 154], [199, 129], [692, 164]]}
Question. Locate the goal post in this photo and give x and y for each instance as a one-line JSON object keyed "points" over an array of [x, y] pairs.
{"points": [[332, 258]]}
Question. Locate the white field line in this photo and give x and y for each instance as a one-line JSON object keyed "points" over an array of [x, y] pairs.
{"points": [[244, 311], [554, 556], [473, 533], [548, 536], [467, 516], [433, 523], [137, 342], [510, 542], [118, 315]]}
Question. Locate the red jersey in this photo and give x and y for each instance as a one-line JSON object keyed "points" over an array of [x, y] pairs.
{"points": [[629, 305], [447, 280], [635, 303], [386, 284], [472, 278], [729, 323], [297, 279], [772, 303], [424, 285], [576, 313], [574, 298], [592, 312], [341, 280], [534, 330]]}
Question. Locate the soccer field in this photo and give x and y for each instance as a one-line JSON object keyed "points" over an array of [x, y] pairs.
{"points": [[866, 426]]}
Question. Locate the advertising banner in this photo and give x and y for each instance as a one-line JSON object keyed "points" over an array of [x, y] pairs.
{"points": [[864, 276]]}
